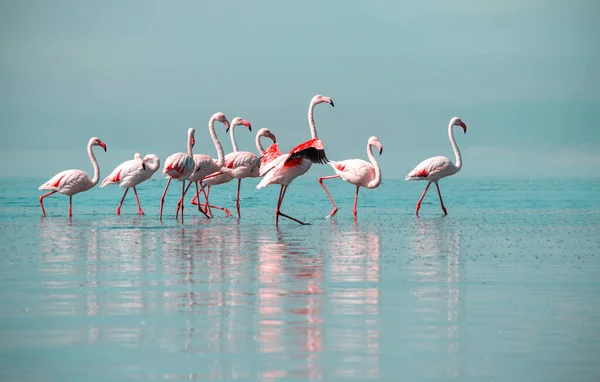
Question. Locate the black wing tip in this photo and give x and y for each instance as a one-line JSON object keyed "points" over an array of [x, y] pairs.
{"points": [[312, 154]]}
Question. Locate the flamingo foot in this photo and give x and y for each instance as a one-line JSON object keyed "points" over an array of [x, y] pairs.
{"points": [[227, 212], [140, 211], [418, 208], [332, 214], [445, 212]]}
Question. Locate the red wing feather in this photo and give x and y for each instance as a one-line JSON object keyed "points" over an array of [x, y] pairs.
{"points": [[312, 150], [270, 153]]}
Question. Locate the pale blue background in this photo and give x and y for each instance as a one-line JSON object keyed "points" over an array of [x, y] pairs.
{"points": [[522, 74]]}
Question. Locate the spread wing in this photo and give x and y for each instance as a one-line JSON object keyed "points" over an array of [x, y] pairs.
{"points": [[312, 150]]}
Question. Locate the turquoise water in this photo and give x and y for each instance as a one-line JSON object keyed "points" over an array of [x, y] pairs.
{"points": [[504, 288]]}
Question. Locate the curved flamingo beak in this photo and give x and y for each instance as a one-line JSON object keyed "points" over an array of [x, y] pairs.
{"points": [[247, 124], [193, 141], [103, 145], [144, 166], [331, 102], [462, 124], [273, 138], [226, 122], [380, 149]]}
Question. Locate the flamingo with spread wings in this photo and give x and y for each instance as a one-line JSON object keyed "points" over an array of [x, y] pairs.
{"points": [[436, 168], [131, 173], [285, 168]]}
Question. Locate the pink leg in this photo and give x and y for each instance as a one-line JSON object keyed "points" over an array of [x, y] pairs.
{"points": [[284, 189], [138, 202], [162, 200], [197, 196], [183, 189], [421, 199], [120, 204], [206, 192], [335, 208], [209, 206], [71, 206], [180, 202], [355, 201], [42, 203], [441, 201], [237, 198]]}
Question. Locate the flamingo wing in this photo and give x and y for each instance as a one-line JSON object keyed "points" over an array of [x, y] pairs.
{"points": [[69, 181], [353, 170], [242, 159], [312, 150], [124, 172], [432, 167], [178, 164]]}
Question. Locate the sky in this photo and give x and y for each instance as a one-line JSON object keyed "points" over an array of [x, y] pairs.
{"points": [[523, 75]]}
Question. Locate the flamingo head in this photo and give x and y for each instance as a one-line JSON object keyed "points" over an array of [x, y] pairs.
{"points": [[456, 121], [268, 133], [221, 118], [191, 135], [95, 141], [138, 158], [237, 121], [320, 99], [374, 141]]}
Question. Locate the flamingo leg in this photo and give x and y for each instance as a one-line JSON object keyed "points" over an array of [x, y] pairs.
{"points": [[441, 201], [138, 201], [206, 192], [122, 199], [70, 206], [237, 198], [162, 200], [198, 197], [355, 201], [42, 203], [209, 206], [283, 190], [335, 208], [180, 202], [183, 190], [421, 199]]}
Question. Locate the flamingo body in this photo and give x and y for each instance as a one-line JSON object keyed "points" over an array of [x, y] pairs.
{"points": [[69, 182], [433, 169], [179, 166]]}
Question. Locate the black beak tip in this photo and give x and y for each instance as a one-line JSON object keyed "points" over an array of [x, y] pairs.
{"points": [[227, 130], [332, 105], [250, 128], [381, 151]]}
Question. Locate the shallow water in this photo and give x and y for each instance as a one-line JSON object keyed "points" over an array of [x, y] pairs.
{"points": [[506, 287]]}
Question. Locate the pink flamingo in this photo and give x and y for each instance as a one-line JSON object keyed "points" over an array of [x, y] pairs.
{"points": [[436, 168], [205, 164], [357, 172], [285, 168], [131, 173], [243, 164], [71, 182], [179, 166]]}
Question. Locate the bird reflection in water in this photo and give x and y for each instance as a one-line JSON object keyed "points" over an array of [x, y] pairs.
{"points": [[290, 282], [355, 274], [436, 246]]}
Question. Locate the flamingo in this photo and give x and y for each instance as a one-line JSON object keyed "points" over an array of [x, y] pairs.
{"points": [[357, 172], [244, 164], [71, 182], [179, 166], [220, 177], [205, 164], [436, 168], [285, 168], [131, 173]]}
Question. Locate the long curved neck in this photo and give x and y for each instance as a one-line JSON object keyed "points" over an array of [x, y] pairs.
{"points": [[233, 142], [311, 121], [458, 163], [155, 162], [96, 177], [377, 181], [259, 145], [190, 153], [213, 135]]}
